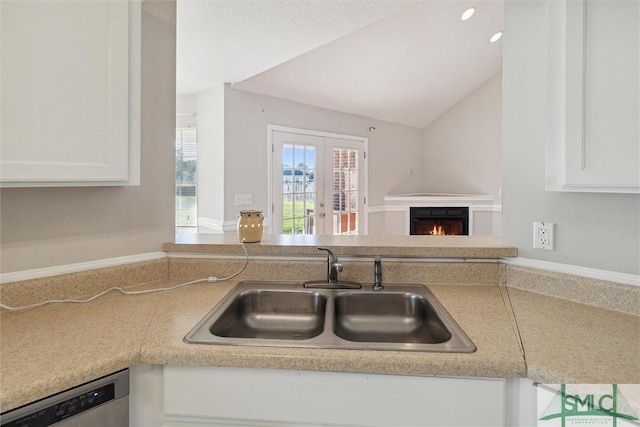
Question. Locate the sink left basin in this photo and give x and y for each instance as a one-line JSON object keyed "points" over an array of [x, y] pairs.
{"points": [[263, 313], [272, 314]]}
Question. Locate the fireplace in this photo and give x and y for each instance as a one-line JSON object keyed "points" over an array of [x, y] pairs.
{"points": [[448, 221]]}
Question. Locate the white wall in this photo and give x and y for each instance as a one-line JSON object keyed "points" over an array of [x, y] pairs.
{"points": [[461, 150], [211, 160], [593, 230], [186, 110], [44, 227], [393, 148]]}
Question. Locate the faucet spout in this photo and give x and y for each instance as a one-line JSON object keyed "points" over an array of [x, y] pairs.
{"points": [[333, 266]]}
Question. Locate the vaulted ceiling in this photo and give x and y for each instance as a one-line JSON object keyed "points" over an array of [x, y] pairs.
{"points": [[405, 62]]}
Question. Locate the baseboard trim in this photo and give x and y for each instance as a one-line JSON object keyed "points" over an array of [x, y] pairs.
{"points": [[38, 273], [210, 225], [592, 273], [228, 226]]}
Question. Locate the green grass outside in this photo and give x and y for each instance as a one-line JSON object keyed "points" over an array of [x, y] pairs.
{"points": [[293, 216]]}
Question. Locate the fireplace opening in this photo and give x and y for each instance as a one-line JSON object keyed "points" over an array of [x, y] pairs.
{"points": [[439, 221]]}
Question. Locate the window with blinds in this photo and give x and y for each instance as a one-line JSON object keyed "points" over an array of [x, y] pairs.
{"points": [[186, 176]]}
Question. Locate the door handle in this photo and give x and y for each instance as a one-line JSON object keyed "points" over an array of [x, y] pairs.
{"points": [[321, 215]]}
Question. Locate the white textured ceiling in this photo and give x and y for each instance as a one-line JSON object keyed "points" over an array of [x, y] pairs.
{"points": [[384, 59], [226, 41]]}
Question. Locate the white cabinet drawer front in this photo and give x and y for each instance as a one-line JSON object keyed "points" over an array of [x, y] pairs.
{"points": [[278, 397]]}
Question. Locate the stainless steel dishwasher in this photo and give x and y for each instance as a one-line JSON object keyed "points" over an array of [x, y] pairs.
{"points": [[100, 403]]}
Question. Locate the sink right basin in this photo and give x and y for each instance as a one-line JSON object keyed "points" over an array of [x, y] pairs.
{"points": [[387, 317]]}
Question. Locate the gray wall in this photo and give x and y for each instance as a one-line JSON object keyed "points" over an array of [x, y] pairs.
{"points": [[593, 230], [461, 150], [393, 148], [43, 227]]}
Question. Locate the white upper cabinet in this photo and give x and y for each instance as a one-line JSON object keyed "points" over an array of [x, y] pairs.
{"points": [[593, 140], [70, 85]]}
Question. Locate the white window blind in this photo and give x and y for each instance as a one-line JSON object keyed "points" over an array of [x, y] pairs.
{"points": [[186, 176]]}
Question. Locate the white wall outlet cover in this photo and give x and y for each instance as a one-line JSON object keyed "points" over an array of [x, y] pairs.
{"points": [[543, 235]]}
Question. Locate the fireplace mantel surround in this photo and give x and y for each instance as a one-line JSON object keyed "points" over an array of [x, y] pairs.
{"points": [[484, 213]]}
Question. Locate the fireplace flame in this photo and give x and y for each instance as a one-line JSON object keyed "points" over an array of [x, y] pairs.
{"points": [[437, 230]]}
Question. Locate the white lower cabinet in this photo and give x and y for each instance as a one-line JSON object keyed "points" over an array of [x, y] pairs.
{"points": [[213, 396]]}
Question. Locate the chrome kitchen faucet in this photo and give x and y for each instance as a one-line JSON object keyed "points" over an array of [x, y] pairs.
{"points": [[333, 268]]}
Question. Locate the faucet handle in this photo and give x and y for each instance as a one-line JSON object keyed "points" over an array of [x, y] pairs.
{"points": [[338, 267], [377, 274]]}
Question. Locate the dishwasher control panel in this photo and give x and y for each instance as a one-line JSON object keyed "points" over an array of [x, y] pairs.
{"points": [[56, 408], [68, 408]]}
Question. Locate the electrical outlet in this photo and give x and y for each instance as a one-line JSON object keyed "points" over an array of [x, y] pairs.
{"points": [[243, 199], [543, 235]]}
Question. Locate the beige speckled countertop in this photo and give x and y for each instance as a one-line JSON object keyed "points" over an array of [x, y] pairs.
{"points": [[58, 346], [55, 347], [41, 356], [569, 342]]}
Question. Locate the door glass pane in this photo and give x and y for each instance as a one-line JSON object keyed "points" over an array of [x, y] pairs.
{"points": [[287, 185], [353, 159], [345, 191], [287, 156], [353, 180], [353, 201], [298, 189]]}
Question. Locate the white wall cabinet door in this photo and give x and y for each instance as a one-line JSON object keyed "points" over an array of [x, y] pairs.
{"points": [[593, 141], [70, 87]]}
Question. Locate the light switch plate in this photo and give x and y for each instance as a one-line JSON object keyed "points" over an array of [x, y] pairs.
{"points": [[243, 199]]}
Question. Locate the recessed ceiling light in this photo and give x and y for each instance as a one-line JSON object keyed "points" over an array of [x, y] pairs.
{"points": [[494, 38], [468, 13]]}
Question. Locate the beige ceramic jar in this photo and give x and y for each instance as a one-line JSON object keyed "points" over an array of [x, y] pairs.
{"points": [[250, 226]]}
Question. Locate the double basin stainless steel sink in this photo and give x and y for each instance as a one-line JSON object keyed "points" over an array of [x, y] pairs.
{"points": [[286, 314]]}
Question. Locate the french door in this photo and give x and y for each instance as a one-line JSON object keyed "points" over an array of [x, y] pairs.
{"points": [[317, 182]]}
